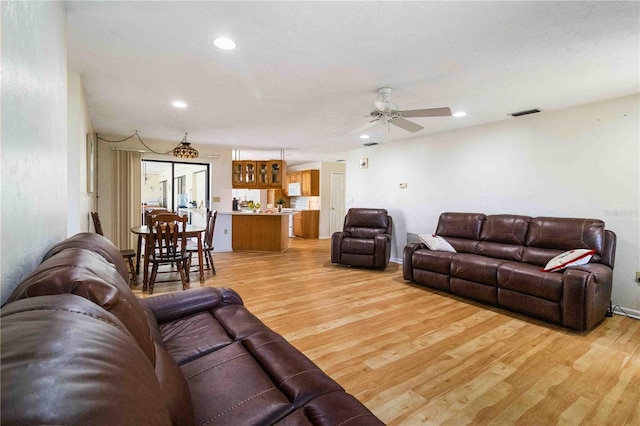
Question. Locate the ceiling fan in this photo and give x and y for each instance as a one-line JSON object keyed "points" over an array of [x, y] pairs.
{"points": [[386, 112]]}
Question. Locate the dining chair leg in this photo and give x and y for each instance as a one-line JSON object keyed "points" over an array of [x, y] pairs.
{"points": [[133, 273], [152, 279], [184, 275]]}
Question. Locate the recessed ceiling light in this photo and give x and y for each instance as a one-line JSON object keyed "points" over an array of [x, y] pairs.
{"points": [[179, 104], [459, 114], [364, 136], [224, 43]]}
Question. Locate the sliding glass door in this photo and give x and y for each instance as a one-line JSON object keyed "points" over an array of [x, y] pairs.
{"points": [[173, 185]]}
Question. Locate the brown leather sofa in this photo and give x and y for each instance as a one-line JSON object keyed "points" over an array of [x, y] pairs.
{"points": [[365, 240], [499, 261], [79, 348]]}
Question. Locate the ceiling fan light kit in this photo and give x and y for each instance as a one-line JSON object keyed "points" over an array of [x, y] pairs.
{"points": [[387, 112]]}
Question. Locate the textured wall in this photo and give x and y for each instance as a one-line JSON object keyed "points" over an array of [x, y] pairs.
{"points": [[34, 136]]}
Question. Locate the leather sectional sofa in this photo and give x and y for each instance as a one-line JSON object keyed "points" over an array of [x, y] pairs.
{"points": [[79, 348], [499, 261]]}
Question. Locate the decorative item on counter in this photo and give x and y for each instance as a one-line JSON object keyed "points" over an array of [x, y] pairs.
{"points": [[235, 204], [254, 207], [280, 202]]}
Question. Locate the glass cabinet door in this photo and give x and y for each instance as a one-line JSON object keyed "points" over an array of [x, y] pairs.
{"points": [[250, 172], [238, 175], [275, 173], [263, 173]]}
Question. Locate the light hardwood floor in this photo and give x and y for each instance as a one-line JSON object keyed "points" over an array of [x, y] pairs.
{"points": [[418, 357]]}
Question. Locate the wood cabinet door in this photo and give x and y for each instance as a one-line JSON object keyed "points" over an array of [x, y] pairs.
{"points": [[297, 225], [275, 171], [250, 173], [237, 174]]}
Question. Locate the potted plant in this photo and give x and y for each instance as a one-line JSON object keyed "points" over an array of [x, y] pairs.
{"points": [[280, 202]]}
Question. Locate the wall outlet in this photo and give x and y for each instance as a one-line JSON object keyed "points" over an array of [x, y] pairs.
{"points": [[403, 185], [216, 199], [226, 231]]}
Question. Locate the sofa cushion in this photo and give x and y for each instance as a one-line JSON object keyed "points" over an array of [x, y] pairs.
{"points": [[529, 279], [65, 360], [358, 246], [228, 387], [505, 228], [97, 244], [476, 291], [476, 268], [460, 225], [566, 234], [86, 273], [436, 261], [500, 250], [193, 336]]}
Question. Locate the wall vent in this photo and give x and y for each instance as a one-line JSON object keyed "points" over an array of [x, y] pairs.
{"points": [[370, 144], [527, 112]]}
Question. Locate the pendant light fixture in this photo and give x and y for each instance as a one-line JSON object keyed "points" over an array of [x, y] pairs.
{"points": [[184, 150]]}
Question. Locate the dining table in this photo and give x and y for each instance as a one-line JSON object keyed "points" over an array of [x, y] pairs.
{"points": [[144, 231]]}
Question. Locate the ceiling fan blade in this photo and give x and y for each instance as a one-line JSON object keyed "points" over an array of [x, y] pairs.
{"points": [[428, 112], [366, 126], [406, 124]]}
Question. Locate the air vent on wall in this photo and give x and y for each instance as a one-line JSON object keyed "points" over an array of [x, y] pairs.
{"points": [[529, 111], [370, 144]]}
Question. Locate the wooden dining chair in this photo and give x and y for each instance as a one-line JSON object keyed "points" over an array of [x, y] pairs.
{"points": [[167, 234], [207, 244], [127, 254]]}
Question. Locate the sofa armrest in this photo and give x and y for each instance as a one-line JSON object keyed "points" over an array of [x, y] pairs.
{"points": [[586, 295], [407, 264], [382, 250], [336, 245], [172, 306]]}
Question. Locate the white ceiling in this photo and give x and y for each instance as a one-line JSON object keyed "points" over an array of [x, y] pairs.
{"points": [[304, 74]]}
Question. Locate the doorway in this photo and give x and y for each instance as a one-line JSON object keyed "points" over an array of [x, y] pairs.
{"points": [[338, 202]]}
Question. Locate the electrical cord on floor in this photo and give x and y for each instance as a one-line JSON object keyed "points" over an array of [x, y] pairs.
{"points": [[618, 310]]}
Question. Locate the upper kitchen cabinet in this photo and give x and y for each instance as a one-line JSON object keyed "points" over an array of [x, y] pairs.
{"points": [[309, 181], [250, 174]]}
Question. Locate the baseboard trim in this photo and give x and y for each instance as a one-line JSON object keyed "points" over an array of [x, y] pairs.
{"points": [[628, 312]]}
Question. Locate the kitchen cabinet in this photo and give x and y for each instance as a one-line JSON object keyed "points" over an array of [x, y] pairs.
{"points": [[309, 181], [306, 224], [264, 174]]}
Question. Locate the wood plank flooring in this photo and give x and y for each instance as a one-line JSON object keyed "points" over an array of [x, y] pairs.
{"points": [[418, 357]]}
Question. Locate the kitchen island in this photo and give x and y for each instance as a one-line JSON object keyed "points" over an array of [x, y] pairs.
{"points": [[259, 231]]}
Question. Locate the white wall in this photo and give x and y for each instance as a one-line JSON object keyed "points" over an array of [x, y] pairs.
{"points": [[578, 162], [79, 202], [33, 202]]}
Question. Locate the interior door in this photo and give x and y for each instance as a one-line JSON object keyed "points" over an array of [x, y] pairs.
{"points": [[338, 202]]}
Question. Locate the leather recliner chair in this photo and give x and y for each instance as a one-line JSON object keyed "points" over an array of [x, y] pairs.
{"points": [[365, 239]]}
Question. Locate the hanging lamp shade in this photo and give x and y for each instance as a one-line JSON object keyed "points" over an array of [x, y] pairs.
{"points": [[184, 150]]}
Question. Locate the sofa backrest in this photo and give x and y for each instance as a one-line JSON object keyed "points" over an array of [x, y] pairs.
{"points": [[523, 238], [96, 243], [86, 273], [367, 223], [66, 360], [461, 230], [550, 236], [503, 236]]}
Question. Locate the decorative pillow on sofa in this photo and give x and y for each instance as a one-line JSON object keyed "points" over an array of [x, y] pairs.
{"points": [[436, 243], [569, 258]]}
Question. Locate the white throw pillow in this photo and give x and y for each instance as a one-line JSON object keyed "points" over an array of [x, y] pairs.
{"points": [[569, 258], [436, 243]]}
